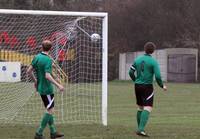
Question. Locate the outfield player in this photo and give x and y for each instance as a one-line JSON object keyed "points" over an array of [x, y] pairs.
{"points": [[142, 72], [42, 64]]}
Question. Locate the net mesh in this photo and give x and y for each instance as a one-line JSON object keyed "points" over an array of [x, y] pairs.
{"points": [[78, 65]]}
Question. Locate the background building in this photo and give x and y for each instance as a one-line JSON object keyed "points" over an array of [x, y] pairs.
{"points": [[176, 64]]}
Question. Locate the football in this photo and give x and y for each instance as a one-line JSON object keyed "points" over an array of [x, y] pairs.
{"points": [[95, 37]]}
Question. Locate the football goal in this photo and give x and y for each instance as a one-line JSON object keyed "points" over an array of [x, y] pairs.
{"points": [[80, 57]]}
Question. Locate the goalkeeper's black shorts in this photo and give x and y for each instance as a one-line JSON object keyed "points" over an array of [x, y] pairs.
{"points": [[144, 94], [48, 101]]}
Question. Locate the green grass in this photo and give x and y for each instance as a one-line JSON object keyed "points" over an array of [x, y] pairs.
{"points": [[176, 115]]}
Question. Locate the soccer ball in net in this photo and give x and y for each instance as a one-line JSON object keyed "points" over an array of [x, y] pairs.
{"points": [[95, 37]]}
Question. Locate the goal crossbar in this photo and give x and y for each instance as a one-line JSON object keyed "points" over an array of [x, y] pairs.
{"points": [[38, 12]]}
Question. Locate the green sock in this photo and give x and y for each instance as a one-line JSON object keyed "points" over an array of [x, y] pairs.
{"points": [[52, 125], [143, 120], [139, 117], [43, 123]]}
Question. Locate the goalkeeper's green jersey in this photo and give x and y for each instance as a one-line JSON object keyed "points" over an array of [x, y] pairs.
{"points": [[43, 64], [145, 67]]}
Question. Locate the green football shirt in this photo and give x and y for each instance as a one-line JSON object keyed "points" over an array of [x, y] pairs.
{"points": [[43, 64], [146, 67]]}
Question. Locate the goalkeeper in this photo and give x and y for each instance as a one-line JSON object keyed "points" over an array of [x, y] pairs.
{"points": [[42, 64], [145, 67]]}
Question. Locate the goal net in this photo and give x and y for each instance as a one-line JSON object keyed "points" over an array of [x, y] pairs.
{"points": [[80, 63]]}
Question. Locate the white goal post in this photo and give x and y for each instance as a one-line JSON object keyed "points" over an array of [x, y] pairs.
{"points": [[82, 61]]}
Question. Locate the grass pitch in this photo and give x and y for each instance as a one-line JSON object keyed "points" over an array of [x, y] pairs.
{"points": [[176, 115]]}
